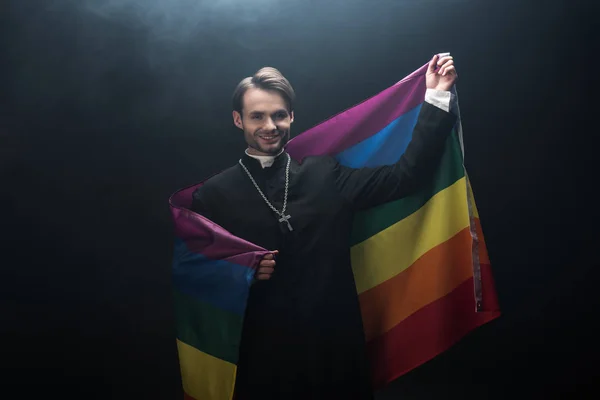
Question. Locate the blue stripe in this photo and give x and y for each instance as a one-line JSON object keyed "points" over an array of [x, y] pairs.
{"points": [[385, 147], [220, 283]]}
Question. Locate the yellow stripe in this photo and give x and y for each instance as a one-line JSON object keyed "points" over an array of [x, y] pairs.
{"points": [[396, 248], [204, 376]]}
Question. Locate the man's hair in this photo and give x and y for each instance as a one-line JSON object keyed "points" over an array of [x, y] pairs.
{"points": [[267, 78]]}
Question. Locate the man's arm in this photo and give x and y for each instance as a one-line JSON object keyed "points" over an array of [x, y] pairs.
{"points": [[198, 206], [204, 199], [265, 267], [368, 187]]}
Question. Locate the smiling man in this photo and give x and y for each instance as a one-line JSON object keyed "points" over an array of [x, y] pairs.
{"points": [[268, 99], [302, 336]]}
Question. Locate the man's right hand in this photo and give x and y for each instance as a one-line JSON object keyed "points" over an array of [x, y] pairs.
{"points": [[266, 266]]}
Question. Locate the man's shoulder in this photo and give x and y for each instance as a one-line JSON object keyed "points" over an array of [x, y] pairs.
{"points": [[319, 161], [224, 177], [219, 181]]}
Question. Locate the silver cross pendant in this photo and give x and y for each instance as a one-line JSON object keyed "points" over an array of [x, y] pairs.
{"points": [[285, 218]]}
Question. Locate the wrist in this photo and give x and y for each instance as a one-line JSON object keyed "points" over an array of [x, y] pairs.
{"points": [[439, 98]]}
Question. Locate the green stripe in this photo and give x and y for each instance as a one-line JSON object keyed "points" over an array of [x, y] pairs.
{"points": [[207, 328], [370, 222]]}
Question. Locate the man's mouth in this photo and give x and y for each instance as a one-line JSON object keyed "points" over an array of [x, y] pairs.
{"points": [[269, 138]]}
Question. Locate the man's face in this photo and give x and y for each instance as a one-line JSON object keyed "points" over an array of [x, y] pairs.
{"points": [[265, 122]]}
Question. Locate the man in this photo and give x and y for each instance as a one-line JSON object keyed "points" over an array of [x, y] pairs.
{"points": [[303, 335]]}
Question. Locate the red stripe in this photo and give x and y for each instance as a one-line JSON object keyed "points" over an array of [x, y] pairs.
{"points": [[431, 277], [187, 396], [425, 334]]}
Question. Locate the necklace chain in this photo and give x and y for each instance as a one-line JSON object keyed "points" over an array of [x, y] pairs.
{"points": [[283, 217]]}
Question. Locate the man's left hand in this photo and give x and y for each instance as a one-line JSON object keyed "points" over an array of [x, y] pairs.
{"points": [[441, 73]]}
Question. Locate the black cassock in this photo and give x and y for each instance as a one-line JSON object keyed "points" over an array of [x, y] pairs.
{"points": [[303, 336]]}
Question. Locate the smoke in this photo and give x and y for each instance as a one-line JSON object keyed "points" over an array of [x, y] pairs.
{"points": [[170, 41], [175, 34], [157, 62], [182, 20]]}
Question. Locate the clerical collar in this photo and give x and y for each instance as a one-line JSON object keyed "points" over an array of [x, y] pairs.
{"points": [[265, 161]]}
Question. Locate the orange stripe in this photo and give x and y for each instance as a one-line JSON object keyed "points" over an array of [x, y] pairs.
{"points": [[425, 334], [432, 276]]}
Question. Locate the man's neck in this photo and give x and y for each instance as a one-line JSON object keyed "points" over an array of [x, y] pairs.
{"points": [[265, 161]]}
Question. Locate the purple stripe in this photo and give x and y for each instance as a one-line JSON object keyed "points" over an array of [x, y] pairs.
{"points": [[204, 237], [358, 123]]}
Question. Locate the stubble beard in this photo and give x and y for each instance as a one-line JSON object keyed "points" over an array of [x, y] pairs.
{"points": [[272, 151]]}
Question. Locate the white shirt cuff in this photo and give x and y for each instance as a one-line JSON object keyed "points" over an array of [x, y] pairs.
{"points": [[441, 99]]}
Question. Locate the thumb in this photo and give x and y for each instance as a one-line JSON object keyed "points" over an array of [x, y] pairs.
{"points": [[271, 255], [432, 64]]}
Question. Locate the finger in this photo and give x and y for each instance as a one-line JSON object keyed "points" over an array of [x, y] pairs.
{"points": [[449, 70], [265, 270], [445, 65], [432, 63], [263, 277], [271, 255], [442, 70], [267, 263], [443, 60]]}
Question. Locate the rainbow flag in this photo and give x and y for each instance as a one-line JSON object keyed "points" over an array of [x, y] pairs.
{"points": [[421, 267]]}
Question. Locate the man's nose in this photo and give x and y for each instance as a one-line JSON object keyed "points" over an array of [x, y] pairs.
{"points": [[270, 125]]}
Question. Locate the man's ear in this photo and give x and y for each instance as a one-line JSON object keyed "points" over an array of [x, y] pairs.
{"points": [[237, 120], [291, 117]]}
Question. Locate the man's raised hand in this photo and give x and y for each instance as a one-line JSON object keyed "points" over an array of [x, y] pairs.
{"points": [[441, 73]]}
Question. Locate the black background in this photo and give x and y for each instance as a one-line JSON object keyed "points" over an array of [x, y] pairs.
{"points": [[107, 107]]}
